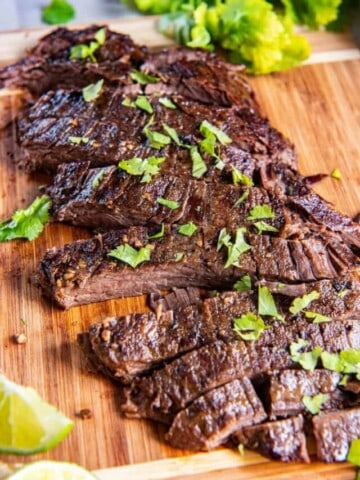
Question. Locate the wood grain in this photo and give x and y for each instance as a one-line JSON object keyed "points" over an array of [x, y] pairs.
{"points": [[318, 108]]}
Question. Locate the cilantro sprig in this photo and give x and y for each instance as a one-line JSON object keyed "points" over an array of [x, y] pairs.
{"points": [[84, 52], [249, 326], [92, 91], [131, 256], [313, 404], [234, 248], [188, 229], [144, 167], [300, 303], [266, 304]]}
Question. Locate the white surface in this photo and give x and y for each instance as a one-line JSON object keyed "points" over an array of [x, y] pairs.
{"points": [[27, 13]]}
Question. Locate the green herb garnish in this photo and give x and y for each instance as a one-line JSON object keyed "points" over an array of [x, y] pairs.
{"points": [[127, 254], [264, 227], [158, 234], [83, 52], [147, 167], [179, 256], [98, 178], [143, 78], [266, 304], [199, 167], [243, 284], [127, 102], [300, 303], [317, 317], [314, 404], [249, 326], [168, 103], [172, 134], [156, 139], [79, 140], [260, 212], [307, 360], [58, 11], [237, 248], [27, 223], [242, 197], [172, 204], [143, 103], [188, 229], [224, 239], [354, 452], [207, 128], [92, 91], [239, 177]]}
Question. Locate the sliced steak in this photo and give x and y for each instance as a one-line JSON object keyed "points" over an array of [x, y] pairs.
{"points": [[48, 65], [287, 389], [83, 272], [177, 299], [116, 131], [210, 420], [168, 390], [281, 440], [334, 431]]}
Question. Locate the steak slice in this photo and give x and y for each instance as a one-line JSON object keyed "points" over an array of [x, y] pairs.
{"points": [[130, 345], [334, 432], [210, 420], [176, 299], [287, 389], [281, 440], [83, 272], [48, 66], [168, 390], [116, 131]]}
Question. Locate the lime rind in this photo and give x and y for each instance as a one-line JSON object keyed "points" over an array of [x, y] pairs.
{"points": [[52, 470], [28, 424]]}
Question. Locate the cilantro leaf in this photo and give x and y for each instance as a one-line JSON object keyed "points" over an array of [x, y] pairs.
{"points": [[127, 254], [224, 239], [92, 91], [79, 140], [27, 223], [207, 128], [168, 103], [98, 177], [249, 326], [317, 317], [188, 229], [266, 304], [147, 167], [158, 234], [84, 52], [307, 360], [199, 167], [58, 11], [259, 212], [156, 139], [172, 204], [331, 361], [314, 404], [300, 303], [354, 452], [143, 103], [179, 256], [127, 102], [242, 197], [239, 177], [264, 227], [243, 284], [143, 78], [172, 134], [100, 36], [237, 248]]}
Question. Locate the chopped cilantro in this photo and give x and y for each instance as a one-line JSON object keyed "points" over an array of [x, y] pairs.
{"points": [[98, 178], [237, 248], [58, 11], [243, 284], [242, 197], [92, 91], [343, 293], [307, 360], [354, 452], [266, 304], [300, 303], [143, 103], [83, 52], [199, 167], [156, 139], [26, 223], [143, 78], [79, 140], [264, 227], [249, 326], [147, 167], [317, 317], [188, 229], [314, 404], [172, 204], [331, 361], [344, 380], [261, 211], [127, 254], [207, 128], [224, 239], [158, 234], [168, 103], [239, 177], [100, 36], [207, 145], [179, 256], [172, 134], [336, 174], [127, 102]]}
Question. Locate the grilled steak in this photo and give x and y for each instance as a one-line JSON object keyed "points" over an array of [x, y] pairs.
{"points": [[334, 432], [212, 418], [48, 65], [83, 272], [287, 389], [116, 131], [281, 440], [168, 390], [176, 299], [129, 345]]}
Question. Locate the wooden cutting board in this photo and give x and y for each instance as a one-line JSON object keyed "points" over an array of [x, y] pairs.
{"points": [[318, 107]]}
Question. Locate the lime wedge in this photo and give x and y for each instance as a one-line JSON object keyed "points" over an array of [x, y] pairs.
{"points": [[48, 470], [28, 424]]}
